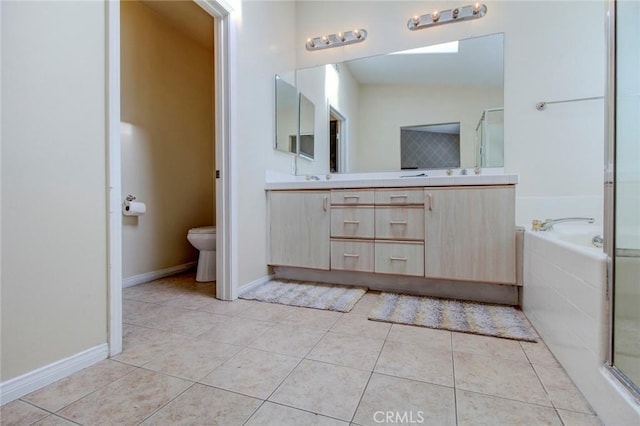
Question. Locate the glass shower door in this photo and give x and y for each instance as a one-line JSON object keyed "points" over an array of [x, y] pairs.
{"points": [[626, 255]]}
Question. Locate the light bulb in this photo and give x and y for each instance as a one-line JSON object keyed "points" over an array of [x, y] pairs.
{"points": [[310, 42], [341, 37], [476, 8], [455, 13], [435, 16], [416, 20], [325, 39], [357, 33]]}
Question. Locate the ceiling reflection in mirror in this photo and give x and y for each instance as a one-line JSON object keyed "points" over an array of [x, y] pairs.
{"points": [[382, 97]]}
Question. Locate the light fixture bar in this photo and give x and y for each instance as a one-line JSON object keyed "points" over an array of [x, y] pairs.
{"points": [[448, 16], [336, 40]]}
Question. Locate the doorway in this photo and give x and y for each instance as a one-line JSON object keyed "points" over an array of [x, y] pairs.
{"points": [[225, 288], [337, 142]]}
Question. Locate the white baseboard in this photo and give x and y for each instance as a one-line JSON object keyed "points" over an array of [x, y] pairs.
{"points": [[43, 376], [154, 275], [255, 283]]}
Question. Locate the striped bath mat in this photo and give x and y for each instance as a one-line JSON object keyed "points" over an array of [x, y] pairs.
{"points": [[306, 294], [454, 315]]}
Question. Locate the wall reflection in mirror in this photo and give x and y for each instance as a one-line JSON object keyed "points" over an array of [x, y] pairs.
{"points": [[294, 121], [286, 116], [369, 108]]}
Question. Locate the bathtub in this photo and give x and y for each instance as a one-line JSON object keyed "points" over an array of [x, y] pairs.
{"points": [[564, 297]]}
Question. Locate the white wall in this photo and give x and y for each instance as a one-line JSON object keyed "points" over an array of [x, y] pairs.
{"points": [[167, 137], [54, 215], [559, 152], [384, 109], [264, 48]]}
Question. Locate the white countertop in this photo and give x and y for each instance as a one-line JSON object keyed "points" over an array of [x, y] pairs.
{"points": [[405, 178]]}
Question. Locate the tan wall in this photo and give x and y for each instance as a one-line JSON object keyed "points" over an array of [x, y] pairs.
{"points": [[54, 215], [167, 138]]}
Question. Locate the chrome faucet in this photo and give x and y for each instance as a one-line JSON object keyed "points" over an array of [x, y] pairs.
{"points": [[312, 177], [548, 223]]}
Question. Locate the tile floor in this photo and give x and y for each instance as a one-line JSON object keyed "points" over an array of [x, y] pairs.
{"points": [[191, 359]]}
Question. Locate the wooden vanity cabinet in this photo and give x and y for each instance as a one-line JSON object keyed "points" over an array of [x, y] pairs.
{"points": [[300, 223], [470, 233], [452, 233]]}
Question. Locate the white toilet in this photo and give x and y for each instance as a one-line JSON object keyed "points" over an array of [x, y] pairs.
{"points": [[204, 239]]}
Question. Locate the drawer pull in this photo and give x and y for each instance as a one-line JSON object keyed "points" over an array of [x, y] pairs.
{"points": [[351, 222], [398, 222], [325, 203], [355, 197], [400, 259], [398, 196], [351, 255], [430, 198]]}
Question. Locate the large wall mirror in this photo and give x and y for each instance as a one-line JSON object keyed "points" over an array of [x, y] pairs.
{"points": [[454, 89]]}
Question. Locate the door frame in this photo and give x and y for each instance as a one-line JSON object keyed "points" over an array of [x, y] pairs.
{"points": [[226, 286], [343, 144]]}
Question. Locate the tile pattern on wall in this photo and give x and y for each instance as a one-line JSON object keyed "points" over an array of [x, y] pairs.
{"points": [[429, 150]]}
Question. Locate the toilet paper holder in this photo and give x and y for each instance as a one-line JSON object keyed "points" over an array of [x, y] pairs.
{"points": [[133, 208], [128, 199]]}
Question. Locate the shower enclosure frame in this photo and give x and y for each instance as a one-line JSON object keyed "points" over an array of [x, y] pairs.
{"points": [[610, 193]]}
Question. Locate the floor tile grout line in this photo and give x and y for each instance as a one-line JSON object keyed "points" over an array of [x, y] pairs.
{"points": [[455, 388], [510, 399], [34, 406], [154, 412], [373, 369], [134, 368], [294, 368]]}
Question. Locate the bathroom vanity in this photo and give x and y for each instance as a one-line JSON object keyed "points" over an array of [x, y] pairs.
{"points": [[414, 231]]}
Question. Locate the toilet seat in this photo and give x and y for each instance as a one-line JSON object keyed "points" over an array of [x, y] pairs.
{"points": [[203, 230]]}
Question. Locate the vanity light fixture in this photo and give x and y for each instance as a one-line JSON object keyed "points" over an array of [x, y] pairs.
{"points": [[335, 40], [436, 17]]}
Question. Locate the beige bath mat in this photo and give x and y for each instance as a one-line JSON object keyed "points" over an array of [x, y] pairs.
{"points": [[454, 315], [306, 294]]}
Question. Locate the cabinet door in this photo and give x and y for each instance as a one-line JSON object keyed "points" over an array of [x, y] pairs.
{"points": [[470, 234], [299, 228]]}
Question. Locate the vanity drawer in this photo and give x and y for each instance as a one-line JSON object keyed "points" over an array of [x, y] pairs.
{"points": [[405, 223], [346, 197], [402, 258], [352, 255], [400, 196], [356, 222]]}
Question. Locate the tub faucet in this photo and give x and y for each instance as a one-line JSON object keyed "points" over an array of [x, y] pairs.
{"points": [[548, 223]]}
